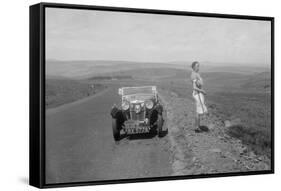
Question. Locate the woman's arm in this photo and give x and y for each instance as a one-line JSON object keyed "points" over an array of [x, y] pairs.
{"points": [[196, 88]]}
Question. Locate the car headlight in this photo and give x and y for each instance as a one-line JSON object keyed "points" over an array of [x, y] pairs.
{"points": [[125, 105], [149, 104]]}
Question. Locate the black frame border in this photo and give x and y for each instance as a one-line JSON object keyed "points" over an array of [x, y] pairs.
{"points": [[37, 93]]}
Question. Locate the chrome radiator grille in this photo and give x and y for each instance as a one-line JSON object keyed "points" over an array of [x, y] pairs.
{"points": [[138, 116]]}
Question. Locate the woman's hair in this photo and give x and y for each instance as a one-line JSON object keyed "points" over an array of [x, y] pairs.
{"points": [[194, 64]]}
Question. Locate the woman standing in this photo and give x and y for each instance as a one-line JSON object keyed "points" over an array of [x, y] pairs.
{"points": [[198, 94]]}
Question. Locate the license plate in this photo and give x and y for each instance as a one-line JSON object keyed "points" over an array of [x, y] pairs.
{"points": [[133, 127], [137, 130]]}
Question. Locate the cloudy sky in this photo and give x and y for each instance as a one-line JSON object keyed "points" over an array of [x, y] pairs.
{"points": [[102, 35]]}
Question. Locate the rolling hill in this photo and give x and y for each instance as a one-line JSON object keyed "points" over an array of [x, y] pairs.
{"points": [[259, 81], [84, 69]]}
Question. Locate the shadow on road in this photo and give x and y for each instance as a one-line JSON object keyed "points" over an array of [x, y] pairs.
{"points": [[204, 128], [142, 136]]}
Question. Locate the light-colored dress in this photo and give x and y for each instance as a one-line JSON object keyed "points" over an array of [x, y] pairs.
{"points": [[198, 96]]}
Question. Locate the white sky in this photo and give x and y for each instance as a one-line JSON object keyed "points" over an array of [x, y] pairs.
{"points": [[102, 35]]}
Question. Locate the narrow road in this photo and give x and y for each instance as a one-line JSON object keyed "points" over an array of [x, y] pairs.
{"points": [[80, 146]]}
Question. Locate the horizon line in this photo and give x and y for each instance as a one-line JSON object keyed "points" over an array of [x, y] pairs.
{"points": [[167, 62]]}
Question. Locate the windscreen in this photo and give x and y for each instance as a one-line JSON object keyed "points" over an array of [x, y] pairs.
{"points": [[138, 90]]}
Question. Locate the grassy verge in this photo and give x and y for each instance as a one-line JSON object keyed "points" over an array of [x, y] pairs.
{"points": [[252, 110], [62, 91]]}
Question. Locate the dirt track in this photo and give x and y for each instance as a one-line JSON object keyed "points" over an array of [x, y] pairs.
{"points": [[80, 145]]}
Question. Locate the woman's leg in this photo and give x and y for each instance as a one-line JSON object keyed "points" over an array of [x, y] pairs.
{"points": [[201, 98], [197, 121], [198, 110]]}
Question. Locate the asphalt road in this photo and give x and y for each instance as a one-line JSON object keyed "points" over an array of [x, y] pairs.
{"points": [[80, 145]]}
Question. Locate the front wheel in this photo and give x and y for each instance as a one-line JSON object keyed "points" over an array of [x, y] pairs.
{"points": [[115, 129], [160, 122]]}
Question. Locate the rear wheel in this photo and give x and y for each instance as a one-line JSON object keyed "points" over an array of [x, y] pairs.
{"points": [[160, 122], [115, 129]]}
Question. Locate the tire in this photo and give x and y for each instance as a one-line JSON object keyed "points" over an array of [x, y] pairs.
{"points": [[160, 122], [115, 129]]}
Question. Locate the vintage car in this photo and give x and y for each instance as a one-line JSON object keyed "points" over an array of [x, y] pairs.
{"points": [[140, 112]]}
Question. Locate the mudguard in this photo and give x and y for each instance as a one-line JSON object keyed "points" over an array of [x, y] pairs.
{"points": [[159, 109], [114, 111]]}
